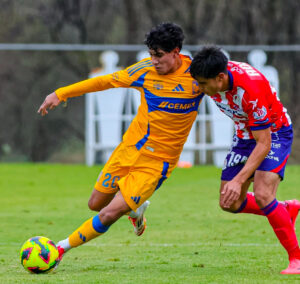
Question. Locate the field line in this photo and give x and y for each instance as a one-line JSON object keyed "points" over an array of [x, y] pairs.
{"points": [[183, 245], [216, 244]]}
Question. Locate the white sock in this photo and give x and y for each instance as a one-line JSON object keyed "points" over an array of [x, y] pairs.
{"points": [[64, 244]]}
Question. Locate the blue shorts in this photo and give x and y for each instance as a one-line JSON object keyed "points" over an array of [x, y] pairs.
{"points": [[275, 161]]}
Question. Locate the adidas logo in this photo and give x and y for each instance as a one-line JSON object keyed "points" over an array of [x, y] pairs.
{"points": [[178, 88], [82, 237], [136, 199]]}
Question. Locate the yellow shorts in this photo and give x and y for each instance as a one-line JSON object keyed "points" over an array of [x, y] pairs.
{"points": [[135, 174]]}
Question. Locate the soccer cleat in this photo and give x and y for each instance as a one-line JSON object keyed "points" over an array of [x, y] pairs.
{"points": [[293, 268], [139, 223], [293, 207], [61, 252]]}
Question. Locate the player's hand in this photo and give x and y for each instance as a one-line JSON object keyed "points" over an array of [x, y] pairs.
{"points": [[230, 193], [50, 102]]}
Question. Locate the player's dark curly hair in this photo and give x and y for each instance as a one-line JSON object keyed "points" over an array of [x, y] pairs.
{"points": [[209, 62], [165, 36]]}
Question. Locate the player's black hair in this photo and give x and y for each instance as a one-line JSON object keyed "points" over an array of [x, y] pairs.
{"points": [[165, 36], [209, 62]]}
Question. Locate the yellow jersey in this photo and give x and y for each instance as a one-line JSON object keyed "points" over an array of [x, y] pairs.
{"points": [[169, 105]]}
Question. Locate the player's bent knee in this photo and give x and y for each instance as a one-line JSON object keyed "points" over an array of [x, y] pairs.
{"points": [[232, 209], [92, 205], [109, 217], [221, 204], [224, 208], [262, 198]]}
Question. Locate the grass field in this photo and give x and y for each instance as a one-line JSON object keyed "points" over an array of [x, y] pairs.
{"points": [[188, 239]]}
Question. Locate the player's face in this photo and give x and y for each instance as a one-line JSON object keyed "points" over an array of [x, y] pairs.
{"points": [[165, 62], [211, 86]]}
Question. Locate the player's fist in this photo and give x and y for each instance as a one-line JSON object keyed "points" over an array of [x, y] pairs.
{"points": [[50, 102], [230, 193]]}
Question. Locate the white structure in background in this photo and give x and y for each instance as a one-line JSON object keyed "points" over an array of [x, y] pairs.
{"points": [[188, 153], [103, 113], [108, 112], [221, 130], [258, 58]]}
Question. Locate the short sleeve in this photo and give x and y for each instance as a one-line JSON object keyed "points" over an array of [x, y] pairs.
{"points": [[256, 106]]}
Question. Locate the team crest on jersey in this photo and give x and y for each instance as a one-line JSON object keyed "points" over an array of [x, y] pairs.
{"points": [[157, 85], [196, 89], [260, 113]]}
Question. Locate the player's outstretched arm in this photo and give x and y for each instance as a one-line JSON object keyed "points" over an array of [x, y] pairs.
{"points": [[50, 102]]}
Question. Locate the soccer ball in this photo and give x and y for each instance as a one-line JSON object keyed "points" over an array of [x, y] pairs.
{"points": [[39, 255]]}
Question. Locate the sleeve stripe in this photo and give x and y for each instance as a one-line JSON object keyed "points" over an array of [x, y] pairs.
{"points": [[141, 67], [260, 127], [146, 63]]}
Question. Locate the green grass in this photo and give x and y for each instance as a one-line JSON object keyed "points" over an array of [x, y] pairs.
{"points": [[188, 239]]}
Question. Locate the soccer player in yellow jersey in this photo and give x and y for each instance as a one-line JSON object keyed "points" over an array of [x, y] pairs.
{"points": [[152, 144]]}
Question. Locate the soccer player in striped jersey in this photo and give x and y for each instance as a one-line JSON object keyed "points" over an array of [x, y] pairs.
{"points": [[151, 146], [261, 145]]}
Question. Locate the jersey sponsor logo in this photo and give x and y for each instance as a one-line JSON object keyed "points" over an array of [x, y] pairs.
{"points": [[230, 112], [170, 105], [260, 113], [271, 152], [276, 145], [272, 158]]}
